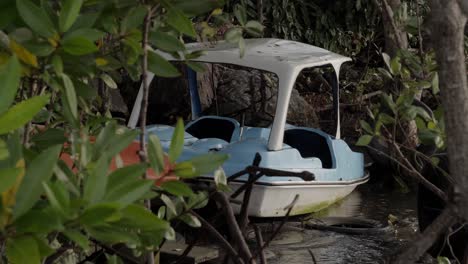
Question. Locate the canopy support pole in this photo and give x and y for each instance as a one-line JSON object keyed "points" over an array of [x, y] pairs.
{"points": [[194, 96], [135, 115]]}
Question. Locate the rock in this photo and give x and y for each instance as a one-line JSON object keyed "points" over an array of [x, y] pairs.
{"points": [[237, 89], [250, 92]]}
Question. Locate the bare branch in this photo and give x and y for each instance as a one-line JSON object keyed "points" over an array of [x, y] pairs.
{"points": [[216, 235]]}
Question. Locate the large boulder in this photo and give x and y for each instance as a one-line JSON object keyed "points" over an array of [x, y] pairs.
{"points": [[249, 92], [224, 90]]}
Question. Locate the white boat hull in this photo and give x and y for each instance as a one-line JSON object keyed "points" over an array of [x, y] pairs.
{"points": [[274, 200]]}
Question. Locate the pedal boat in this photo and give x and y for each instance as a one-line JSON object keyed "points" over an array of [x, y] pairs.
{"points": [[337, 169]]}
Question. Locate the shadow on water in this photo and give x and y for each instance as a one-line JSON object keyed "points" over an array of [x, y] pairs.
{"points": [[296, 244]]}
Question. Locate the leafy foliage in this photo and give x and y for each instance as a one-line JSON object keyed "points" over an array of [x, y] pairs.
{"points": [[341, 26], [62, 181]]}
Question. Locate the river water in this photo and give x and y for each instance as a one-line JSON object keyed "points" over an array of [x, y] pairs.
{"points": [[295, 244]]}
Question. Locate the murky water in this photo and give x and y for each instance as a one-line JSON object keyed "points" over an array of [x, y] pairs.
{"points": [[299, 245]]}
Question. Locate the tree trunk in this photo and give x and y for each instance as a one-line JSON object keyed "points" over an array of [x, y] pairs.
{"points": [[447, 22], [447, 25], [395, 37]]}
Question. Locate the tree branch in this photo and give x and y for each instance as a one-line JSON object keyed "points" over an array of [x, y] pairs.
{"points": [[234, 228], [414, 173], [144, 103], [216, 235], [424, 241]]}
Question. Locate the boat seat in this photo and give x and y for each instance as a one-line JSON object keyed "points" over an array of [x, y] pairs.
{"points": [[213, 127], [309, 144]]}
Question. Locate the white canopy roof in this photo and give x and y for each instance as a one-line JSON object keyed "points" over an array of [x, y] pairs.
{"points": [[285, 58], [274, 55]]}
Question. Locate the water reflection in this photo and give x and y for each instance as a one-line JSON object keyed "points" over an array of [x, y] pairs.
{"points": [[297, 245]]}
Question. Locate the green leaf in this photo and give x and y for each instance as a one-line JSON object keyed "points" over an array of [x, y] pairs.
{"points": [[194, 55], [100, 214], [112, 140], [51, 136], [241, 47], [135, 216], [405, 100], [36, 18], [41, 221], [14, 151], [435, 83], [435, 161], [395, 66], [22, 249], [191, 220], [177, 20], [129, 193], [427, 136], [185, 169], [177, 141], [77, 237], [10, 76], [113, 235], [388, 101], [79, 46], [366, 127], [69, 14], [170, 234], [207, 163], [21, 35], [96, 182], [134, 18], [165, 41], [120, 142], [8, 178], [221, 180], [254, 28], [8, 15], [41, 49], [4, 152], [161, 212], [113, 259], [241, 14], [386, 119], [233, 35], [155, 153], [21, 113], [58, 64], [439, 142], [422, 113], [169, 204], [198, 200], [70, 95], [443, 260], [385, 73], [364, 140], [86, 20], [44, 249], [58, 196], [124, 176], [177, 188], [108, 81], [199, 7], [40, 169], [160, 66], [196, 66], [90, 33]]}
